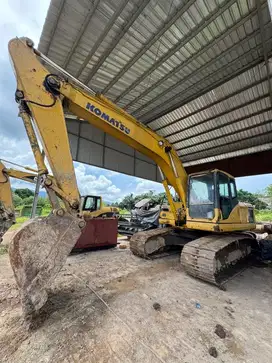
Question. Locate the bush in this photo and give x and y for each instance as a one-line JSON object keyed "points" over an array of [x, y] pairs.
{"points": [[247, 197], [16, 200], [24, 193], [263, 215], [28, 201], [41, 202]]}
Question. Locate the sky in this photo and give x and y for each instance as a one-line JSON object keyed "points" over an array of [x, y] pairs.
{"points": [[26, 18]]}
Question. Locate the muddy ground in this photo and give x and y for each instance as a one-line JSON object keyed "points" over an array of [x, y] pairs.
{"points": [[101, 310]]}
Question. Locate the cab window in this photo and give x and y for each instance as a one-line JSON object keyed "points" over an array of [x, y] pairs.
{"points": [[233, 193], [98, 203], [225, 201], [90, 203], [201, 196]]}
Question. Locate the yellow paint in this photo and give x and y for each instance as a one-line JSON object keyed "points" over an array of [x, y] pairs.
{"points": [[50, 121], [237, 221], [5, 191], [22, 175]]}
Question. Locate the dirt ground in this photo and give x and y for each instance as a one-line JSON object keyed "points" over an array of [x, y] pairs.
{"points": [[101, 310]]}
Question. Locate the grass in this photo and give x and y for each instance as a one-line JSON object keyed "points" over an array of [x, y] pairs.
{"points": [[19, 222], [46, 211], [124, 211], [263, 215], [3, 249]]}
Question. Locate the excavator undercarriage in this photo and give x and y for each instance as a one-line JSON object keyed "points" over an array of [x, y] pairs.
{"points": [[213, 258]]}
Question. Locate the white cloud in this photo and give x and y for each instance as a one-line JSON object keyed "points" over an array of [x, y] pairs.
{"points": [[17, 18], [144, 186], [111, 173], [96, 185], [17, 151], [22, 18]]}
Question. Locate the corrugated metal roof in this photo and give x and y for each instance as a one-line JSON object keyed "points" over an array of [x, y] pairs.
{"points": [[194, 71]]}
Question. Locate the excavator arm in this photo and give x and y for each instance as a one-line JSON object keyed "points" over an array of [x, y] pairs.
{"points": [[42, 96], [7, 213], [39, 249]]}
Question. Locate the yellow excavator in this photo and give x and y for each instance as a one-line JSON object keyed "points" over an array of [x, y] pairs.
{"points": [[91, 205], [207, 221], [7, 213]]}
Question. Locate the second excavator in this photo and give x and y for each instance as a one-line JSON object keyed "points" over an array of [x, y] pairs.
{"points": [[206, 220], [101, 228]]}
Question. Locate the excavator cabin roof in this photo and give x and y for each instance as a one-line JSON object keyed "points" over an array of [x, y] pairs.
{"points": [[211, 171]]}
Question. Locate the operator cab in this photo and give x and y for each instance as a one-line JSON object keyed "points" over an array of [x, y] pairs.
{"points": [[90, 203], [210, 191]]}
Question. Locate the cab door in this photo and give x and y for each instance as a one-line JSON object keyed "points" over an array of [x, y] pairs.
{"points": [[227, 194]]}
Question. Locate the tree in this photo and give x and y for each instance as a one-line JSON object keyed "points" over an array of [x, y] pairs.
{"points": [[268, 191], [128, 202], [247, 197], [28, 201], [24, 193], [41, 202], [16, 200]]}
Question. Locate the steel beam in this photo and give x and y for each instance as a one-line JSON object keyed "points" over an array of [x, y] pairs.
{"points": [[218, 115], [226, 144], [169, 22], [256, 163], [81, 32], [225, 134], [195, 56], [62, 3], [256, 83], [203, 24], [197, 71], [102, 36], [265, 50], [232, 150], [204, 90], [117, 39], [231, 154]]}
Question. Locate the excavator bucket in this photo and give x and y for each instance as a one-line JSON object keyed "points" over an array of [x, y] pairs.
{"points": [[37, 253], [5, 222]]}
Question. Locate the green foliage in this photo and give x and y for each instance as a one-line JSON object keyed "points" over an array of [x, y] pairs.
{"points": [[16, 200], [3, 249], [19, 222], [268, 191], [24, 193], [130, 200], [263, 215], [28, 200], [127, 202], [41, 202], [247, 197], [46, 210]]}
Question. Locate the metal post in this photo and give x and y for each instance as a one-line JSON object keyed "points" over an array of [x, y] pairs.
{"points": [[36, 196], [37, 191]]}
